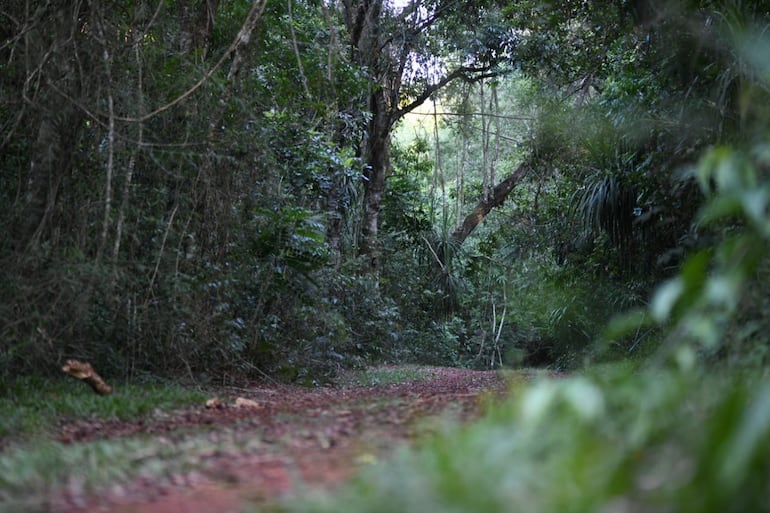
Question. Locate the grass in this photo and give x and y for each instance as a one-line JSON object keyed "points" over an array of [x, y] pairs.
{"points": [[386, 375], [31, 474], [33, 465], [31, 407], [614, 439]]}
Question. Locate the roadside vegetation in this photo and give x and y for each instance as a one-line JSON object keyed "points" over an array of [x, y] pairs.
{"points": [[686, 429], [606, 440]]}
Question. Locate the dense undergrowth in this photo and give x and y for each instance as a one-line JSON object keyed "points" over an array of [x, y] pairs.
{"points": [[223, 233]]}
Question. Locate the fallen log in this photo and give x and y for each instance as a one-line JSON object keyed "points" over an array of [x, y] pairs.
{"points": [[86, 373]]}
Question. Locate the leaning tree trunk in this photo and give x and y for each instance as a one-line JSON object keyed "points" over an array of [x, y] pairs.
{"points": [[487, 203]]}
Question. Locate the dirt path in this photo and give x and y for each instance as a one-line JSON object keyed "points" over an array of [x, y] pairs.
{"points": [[287, 437]]}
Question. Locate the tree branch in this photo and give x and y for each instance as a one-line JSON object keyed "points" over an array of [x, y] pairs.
{"points": [[236, 47], [467, 73]]}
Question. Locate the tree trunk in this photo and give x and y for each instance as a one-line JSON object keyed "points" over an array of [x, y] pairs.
{"points": [[362, 19], [196, 25], [498, 196], [377, 167], [59, 122], [39, 194], [335, 198]]}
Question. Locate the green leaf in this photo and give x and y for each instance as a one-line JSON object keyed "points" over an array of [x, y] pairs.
{"points": [[749, 440], [721, 207], [755, 205], [724, 291], [537, 402], [585, 398], [665, 299], [627, 323]]}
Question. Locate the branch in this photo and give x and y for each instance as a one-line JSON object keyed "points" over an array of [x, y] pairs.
{"points": [[467, 73], [474, 113], [426, 23], [438, 259], [297, 54], [243, 37]]}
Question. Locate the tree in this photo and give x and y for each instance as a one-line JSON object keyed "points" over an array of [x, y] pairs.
{"points": [[394, 48], [125, 188]]}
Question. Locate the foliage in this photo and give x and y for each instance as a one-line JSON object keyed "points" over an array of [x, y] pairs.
{"points": [[405, 211], [199, 225], [712, 306], [705, 302], [614, 205], [219, 234], [179, 203], [605, 440]]}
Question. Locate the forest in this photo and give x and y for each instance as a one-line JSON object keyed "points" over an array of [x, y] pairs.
{"points": [[209, 192]]}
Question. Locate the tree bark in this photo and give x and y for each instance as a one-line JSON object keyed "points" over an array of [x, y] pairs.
{"points": [[362, 20], [498, 196], [196, 25], [377, 169], [58, 123]]}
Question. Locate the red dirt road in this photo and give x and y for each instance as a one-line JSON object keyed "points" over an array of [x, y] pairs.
{"points": [[288, 438]]}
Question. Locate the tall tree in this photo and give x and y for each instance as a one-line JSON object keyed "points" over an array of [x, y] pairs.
{"points": [[396, 49]]}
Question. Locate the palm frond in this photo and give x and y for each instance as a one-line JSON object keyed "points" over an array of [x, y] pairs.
{"points": [[606, 206]]}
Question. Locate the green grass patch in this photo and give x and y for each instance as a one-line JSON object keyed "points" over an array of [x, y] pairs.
{"points": [[377, 376], [31, 475], [30, 407], [32, 466]]}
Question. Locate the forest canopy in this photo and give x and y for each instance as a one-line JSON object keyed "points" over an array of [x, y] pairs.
{"points": [[250, 188]]}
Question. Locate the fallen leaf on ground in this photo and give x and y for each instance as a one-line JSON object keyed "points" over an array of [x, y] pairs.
{"points": [[215, 403], [242, 402]]}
